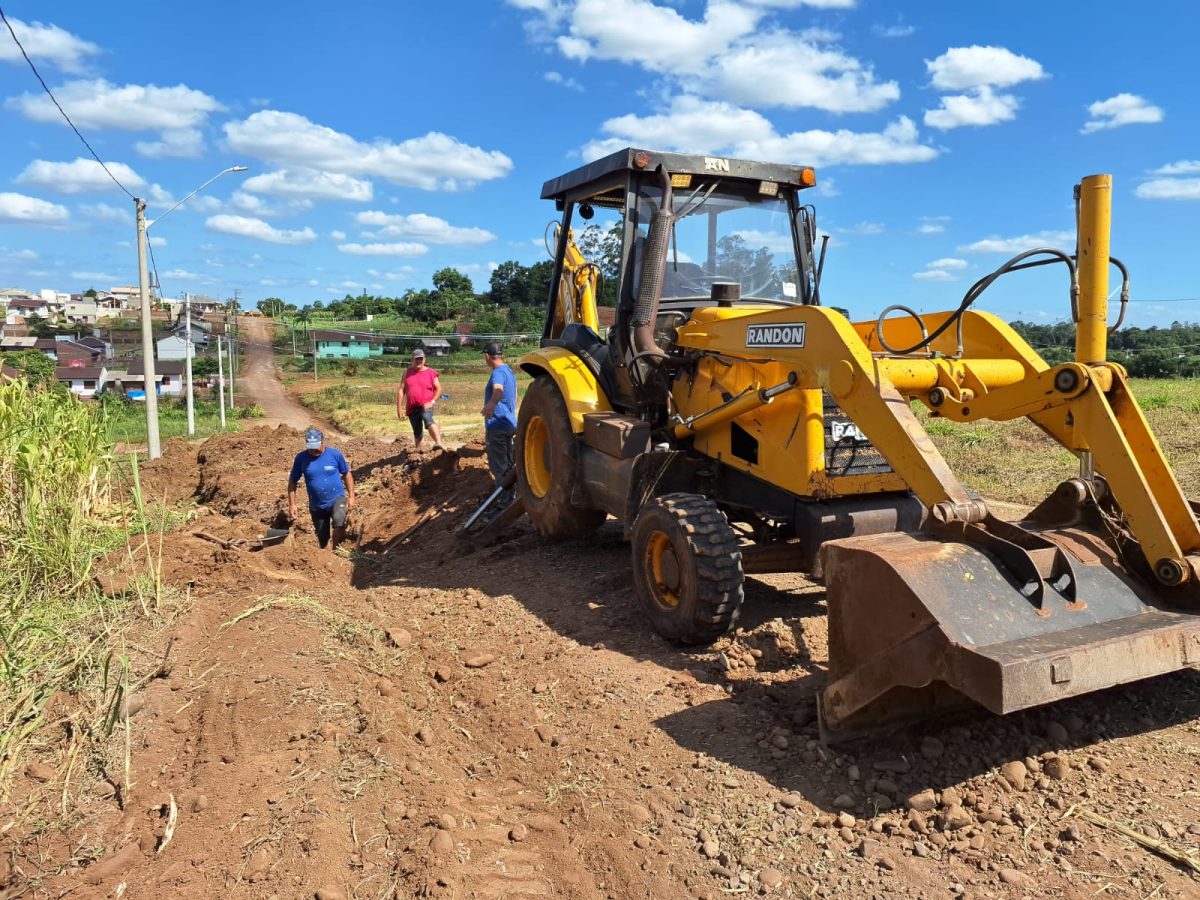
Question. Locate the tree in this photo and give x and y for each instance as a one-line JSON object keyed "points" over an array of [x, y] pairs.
{"points": [[90, 292], [34, 365], [603, 248], [40, 327], [272, 306], [452, 281], [508, 283]]}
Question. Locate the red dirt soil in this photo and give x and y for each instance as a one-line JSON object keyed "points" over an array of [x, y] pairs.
{"points": [[423, 720]]}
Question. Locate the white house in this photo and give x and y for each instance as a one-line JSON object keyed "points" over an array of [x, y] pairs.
{"points": [[22, 309], [82, 381], [174, 346], [82, 311], [168, 374]]}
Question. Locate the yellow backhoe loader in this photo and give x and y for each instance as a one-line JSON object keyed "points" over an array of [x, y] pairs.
{"points": [[734, 424]]}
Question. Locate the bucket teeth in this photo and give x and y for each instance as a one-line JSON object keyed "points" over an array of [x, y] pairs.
{"points": [[917, 624]]}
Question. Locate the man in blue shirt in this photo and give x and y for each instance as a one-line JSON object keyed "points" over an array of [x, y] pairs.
{"points": [[330, 487], [499, 416]]}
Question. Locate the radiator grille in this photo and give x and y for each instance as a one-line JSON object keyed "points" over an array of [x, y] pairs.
{"points": [[847, 451]]}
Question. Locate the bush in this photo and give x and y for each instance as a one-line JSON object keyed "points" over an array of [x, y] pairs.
{"points": [[254, 411]]}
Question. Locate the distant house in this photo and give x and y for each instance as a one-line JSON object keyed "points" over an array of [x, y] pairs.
{"points": [[82, 381], [101, 346], [82, 311], [168, 374], [62, 348], [12, 343], [175, 346], [434, 346], [24, 308], [346, 345], [200, 331]]}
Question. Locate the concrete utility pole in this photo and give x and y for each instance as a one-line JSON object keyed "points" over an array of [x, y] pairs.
{"points": [[187, 352], [221, 380], [314, 343], [149, 382], [229, 347]]}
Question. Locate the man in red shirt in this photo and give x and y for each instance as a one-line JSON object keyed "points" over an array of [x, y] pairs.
{"points": [[417, 398]]}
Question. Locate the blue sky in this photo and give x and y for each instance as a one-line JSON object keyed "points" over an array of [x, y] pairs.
{"points": [[388, 140]]}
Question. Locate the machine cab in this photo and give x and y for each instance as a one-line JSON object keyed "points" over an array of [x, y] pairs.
{"points": [[738, 235]]}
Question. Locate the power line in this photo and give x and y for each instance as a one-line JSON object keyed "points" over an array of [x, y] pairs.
{"points": [[54, 100]]}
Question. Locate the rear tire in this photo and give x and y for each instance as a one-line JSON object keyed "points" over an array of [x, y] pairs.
{"points": [[687, 568], [547, 457]]}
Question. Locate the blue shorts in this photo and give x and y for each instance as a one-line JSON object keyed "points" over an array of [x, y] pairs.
{"points": [[420, 419]]}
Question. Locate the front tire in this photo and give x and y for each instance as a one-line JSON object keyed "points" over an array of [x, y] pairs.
{"points": [[687, 568], [547, 457]]}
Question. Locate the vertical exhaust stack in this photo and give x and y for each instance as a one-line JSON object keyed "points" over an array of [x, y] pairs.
{"points": [[1095, 221], [654, 265]]}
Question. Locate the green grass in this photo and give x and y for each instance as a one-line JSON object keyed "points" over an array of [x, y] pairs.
{"points": [[389, 366], [125, 423], [369, 407], [58, 515], [1015, 461]]}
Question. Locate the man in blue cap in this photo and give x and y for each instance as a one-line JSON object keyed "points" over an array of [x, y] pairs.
{"points": [[499, 417], [330, 487]]}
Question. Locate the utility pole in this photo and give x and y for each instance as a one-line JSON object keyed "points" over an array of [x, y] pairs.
{"points": [[314, 343], [187, 352], [149, 381], [221, 380], [229, 347]]}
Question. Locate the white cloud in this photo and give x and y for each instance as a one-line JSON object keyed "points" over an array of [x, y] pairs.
{"points": [[107, 212], [338, 235], [897, 143], [980, 107], [933, 275], [802, 74], [311, 184], [1170, 189], [184, 275], [402, 273], [947, 262], [703, 126], [977, 70], [19, 255], [48, 43], [429, 229], [776, 242], [185, 142], [245, 226], [176, 111], [30, 210], [1183, 167], [932, 224], [893, 31], [964, 68], [97, 276], [157, 241], [432, 162], [1123, 109], [564, 80], [312, 282], [1014, 245], [723, 54], [865, 228], [393, 249], [83, 176]]}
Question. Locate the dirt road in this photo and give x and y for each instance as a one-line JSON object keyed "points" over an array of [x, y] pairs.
{"points": [[261, 381], [419, 720]]}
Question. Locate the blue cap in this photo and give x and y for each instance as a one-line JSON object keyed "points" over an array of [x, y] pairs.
{"points": [[313, 439]]}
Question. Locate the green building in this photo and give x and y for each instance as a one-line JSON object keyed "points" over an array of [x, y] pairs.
{"points": [[346, 344]]}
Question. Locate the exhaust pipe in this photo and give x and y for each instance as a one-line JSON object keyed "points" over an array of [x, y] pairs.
{"points": [[654, 264]]}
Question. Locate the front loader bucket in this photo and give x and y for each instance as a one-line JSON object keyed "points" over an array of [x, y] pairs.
{"points": [[917, 624]]}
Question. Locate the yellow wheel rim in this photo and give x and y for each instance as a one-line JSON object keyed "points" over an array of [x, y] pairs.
{"points": [[537, 451], [662, 567]]}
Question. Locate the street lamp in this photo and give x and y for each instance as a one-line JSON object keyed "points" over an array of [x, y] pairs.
{"points": [[148, 373]]}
